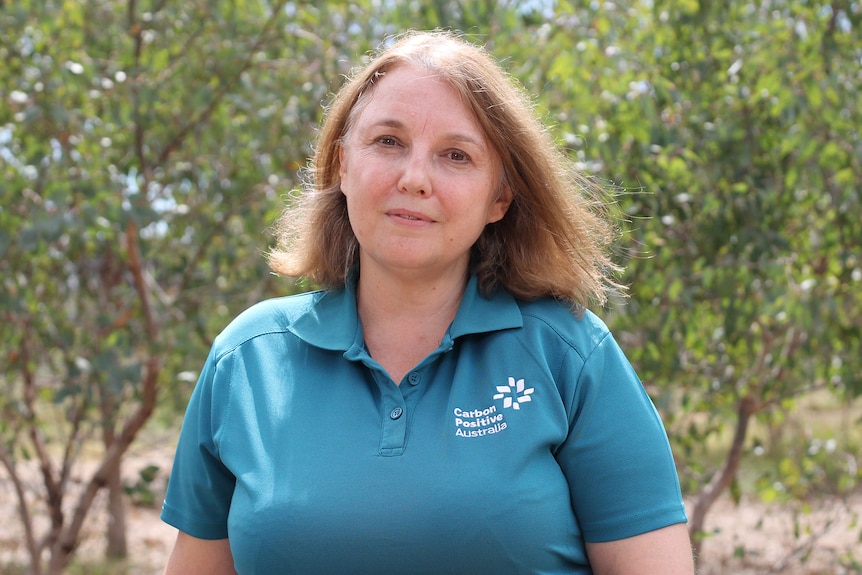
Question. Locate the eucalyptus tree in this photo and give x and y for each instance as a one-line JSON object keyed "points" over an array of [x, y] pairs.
{"points": [[144, 149], [731, 131]]}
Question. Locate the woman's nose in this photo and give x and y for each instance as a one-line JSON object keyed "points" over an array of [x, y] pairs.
{"points": [[415, 178]]}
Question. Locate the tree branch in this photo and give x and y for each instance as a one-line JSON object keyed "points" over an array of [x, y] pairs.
{"points": [[53, 488], [202, 117], [33, 550], [748, 406]]}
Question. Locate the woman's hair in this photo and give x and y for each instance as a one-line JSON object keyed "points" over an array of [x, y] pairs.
{"points": [[556, 236]]}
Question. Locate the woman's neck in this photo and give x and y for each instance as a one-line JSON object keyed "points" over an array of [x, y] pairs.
{"points": [[403, 320]]}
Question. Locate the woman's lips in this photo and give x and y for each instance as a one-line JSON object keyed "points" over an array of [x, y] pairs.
{"points": [[409, 216]]}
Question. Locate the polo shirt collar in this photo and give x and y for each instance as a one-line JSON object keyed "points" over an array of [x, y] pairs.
{"points": [[332, 322], [480, 314]]}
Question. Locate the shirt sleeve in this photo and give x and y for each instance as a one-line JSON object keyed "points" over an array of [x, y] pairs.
{"points": [[617, 458], [200, 486]]}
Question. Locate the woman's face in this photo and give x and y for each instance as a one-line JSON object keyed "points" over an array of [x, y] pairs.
{"points": [[420, 177]]}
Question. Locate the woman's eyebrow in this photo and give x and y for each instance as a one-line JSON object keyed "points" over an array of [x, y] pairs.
{"points": [[449, 136], [454, 136]]}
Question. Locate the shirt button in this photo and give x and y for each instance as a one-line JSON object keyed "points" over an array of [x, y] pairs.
{"points": [[396, 413], [414, 378]]}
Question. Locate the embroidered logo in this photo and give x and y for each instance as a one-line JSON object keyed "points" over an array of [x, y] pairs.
{"points": [[471, 422], [514, 394]]}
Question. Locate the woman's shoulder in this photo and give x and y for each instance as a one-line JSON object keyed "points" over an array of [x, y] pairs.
{"points": [[580, 328], [269, 316]]}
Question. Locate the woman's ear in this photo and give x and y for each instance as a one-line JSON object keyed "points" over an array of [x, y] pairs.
{"points": [[500, 205]]}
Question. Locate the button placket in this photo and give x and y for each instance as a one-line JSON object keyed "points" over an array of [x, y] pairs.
{"points": [[394, 432]]}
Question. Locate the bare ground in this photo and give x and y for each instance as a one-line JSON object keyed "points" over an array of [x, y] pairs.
{"points": [[746, 539]]}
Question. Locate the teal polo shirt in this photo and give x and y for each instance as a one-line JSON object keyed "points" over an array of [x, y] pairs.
{"points": [[525, 434]]}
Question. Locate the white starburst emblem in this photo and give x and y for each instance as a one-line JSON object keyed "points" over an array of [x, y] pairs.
{"points": [[514, 394]]}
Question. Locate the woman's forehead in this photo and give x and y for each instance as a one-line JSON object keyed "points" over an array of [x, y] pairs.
{"points": [[411, 92]]}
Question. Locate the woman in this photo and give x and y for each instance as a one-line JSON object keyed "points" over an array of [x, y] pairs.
{"points": [[446, 404]]}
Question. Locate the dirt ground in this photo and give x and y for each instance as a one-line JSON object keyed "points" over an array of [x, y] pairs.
{"points": [[746, 539]]}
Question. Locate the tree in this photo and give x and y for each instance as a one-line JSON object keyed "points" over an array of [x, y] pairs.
{"points": [[734, 126], [130, 225]]}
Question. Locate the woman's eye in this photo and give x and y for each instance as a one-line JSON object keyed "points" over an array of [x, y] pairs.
{"points": [[387, 140], [458, 156]]}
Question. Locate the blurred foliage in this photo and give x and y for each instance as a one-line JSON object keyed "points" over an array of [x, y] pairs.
{"points": [[171, 134], [143, 492], [732, 129]]}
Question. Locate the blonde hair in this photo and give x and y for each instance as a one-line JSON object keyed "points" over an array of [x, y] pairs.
{"points": [[556, 236]]}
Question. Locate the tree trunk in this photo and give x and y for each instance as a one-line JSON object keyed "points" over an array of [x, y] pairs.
{"points": [[117, 542], [115, 530], [747, 407]]}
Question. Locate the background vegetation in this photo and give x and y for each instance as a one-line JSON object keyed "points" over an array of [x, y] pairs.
{"points": [[146, 146]]}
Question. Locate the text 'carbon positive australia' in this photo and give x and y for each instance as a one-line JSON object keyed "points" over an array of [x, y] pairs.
{"points": [[478, 422]]}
